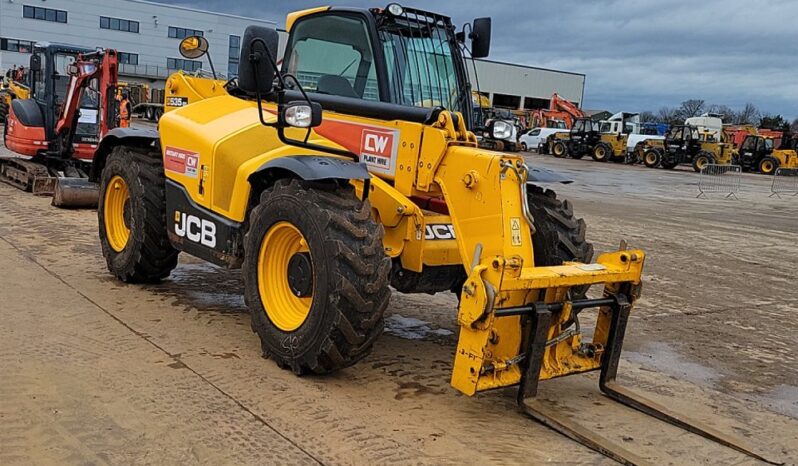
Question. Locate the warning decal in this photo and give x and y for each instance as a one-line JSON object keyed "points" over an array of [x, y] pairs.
{"points": [[181, 161], [515, 231]]}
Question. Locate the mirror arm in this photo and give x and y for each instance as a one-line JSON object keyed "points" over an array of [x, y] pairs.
{"points": [[213, 69], [281, 100]]}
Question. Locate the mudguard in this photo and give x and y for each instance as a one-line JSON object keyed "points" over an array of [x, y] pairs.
{"points": [[542, 175], [138, 136], [309, 168]]}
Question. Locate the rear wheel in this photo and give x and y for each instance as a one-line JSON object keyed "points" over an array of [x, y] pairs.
{"points": [[768, 165], [602, 152], [559, 150], [652, 158], [524, 147], [132, 216], [559, 236], [315, 276], [702, 160]]}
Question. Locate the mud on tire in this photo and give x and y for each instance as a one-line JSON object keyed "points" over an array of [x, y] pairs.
{"points": [[148, 255], [350, 271], [559, 235]]}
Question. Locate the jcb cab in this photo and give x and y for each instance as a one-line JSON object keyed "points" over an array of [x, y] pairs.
{"points": [[325, 210]]}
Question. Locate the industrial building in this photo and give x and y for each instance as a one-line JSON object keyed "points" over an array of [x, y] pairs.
{"points": [[147, 35]]}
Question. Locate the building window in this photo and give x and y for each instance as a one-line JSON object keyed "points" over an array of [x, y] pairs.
{"points": [[128, 58], [233, 53], [182, 33], [45, 14], [119, 24], [181, 64], [14, 45]]}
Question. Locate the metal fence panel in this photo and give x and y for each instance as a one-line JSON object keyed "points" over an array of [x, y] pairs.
{"points": [[719, 179], [785, 181]]}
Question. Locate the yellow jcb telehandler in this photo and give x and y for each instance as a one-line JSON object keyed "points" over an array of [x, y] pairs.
{"points": [[350, 170]]}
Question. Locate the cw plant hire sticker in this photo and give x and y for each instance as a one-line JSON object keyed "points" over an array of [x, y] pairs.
{"points": [[181, 161]]}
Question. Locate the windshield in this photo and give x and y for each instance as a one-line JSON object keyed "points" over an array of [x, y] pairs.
{"points": [[421, 64]]}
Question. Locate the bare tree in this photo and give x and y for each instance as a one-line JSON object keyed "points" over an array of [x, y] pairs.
{"points": [[728, 113], [749, 115], [647, 117], [794, 126], [668, 115], [691, 108]]}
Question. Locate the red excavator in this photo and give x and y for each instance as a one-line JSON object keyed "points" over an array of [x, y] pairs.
{"points": [[57, 130], [560, 114]]}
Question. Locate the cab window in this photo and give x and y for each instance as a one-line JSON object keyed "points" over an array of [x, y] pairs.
{"points": [[333, 55], [749, 144]]}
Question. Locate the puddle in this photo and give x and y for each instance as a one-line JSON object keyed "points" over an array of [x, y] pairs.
{"points": [[413, 329], [663, 358], [783, 399]]}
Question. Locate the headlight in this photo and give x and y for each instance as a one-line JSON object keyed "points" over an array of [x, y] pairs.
{"points": [[299, 116], [502, 130]]}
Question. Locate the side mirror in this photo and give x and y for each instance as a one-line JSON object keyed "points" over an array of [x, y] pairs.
{"points": [[300, 114], [257, 65], [480, 38], [35, 62], [193, 47]]}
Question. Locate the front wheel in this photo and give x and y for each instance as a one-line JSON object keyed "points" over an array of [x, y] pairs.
{"points": [[559, 236], [652, 158], [702, 160], [602, 152], [524, 147], [559, 150], [132, 216], [316, 277], [768, 165]]}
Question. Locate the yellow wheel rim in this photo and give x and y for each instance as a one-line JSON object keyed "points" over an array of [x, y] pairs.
{"points": [[558, 149], [600, 152], [116, 198], [285, 309], [702, 162], [767, 166], [651, 158]]}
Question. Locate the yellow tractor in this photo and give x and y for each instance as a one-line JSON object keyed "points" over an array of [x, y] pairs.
{"points": [[758, 153], [585, 138], [325, 210], [686, 144], [10, 90]]}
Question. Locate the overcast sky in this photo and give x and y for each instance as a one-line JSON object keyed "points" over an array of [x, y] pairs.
{"points": [[637, 55]]}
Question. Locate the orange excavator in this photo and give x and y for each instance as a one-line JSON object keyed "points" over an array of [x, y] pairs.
{"points": [[56, 132], [560, 114]]}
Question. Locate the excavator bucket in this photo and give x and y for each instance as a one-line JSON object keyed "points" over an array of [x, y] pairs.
{"points": [[75, 193]]}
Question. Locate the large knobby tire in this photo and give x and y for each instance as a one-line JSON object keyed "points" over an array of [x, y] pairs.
{"points": [[768, 165], [328, 318], [602, 152], [701, 160], [652, 158], [132, 216], [559, 150], [559, 236]]}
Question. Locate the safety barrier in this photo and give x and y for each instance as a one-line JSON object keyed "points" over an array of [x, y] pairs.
{"points": [[785, 181], [719, 179]]}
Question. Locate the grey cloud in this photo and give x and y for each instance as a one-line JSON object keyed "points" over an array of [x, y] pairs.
{"points": [[636, 54]]}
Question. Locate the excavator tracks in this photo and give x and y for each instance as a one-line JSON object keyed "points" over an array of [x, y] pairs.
{"points": [[27, 175]]}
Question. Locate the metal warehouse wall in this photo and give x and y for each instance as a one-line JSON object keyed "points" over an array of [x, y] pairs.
{"points": [[527, 81], [152, 43]]}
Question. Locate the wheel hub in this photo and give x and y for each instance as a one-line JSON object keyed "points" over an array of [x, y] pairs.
{"points": [[300, 275]]}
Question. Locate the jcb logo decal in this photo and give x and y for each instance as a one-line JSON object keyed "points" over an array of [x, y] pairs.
{"points": [[440, 231], [195, 229], [377, 148]]}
